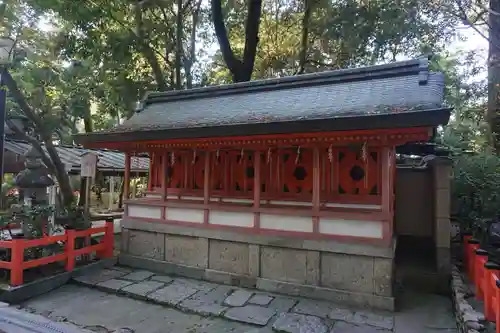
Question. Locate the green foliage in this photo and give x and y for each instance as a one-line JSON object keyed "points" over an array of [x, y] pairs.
{"points": [[476, 181]]}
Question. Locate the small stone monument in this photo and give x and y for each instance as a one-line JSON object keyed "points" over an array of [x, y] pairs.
{"points": [[34, 180]]}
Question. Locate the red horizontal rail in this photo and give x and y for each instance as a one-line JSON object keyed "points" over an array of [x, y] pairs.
{"points": [[17, 265], [42, 241], [89, 232], [6, 244], [89, 249], [5, 264], [44, 260]]}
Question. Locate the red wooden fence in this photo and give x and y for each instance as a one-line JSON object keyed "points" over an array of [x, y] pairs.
{"points": [[17, 264], [486, 279]]}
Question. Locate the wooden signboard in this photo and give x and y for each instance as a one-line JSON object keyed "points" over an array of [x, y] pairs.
{"points": [[88, 165]]}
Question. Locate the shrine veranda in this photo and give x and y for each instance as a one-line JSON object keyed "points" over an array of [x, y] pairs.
{"points": [[286, 185]]}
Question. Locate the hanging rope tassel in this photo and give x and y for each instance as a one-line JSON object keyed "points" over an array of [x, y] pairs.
{"points": [[298, 156], [269, 156], [194, 157], [330, 154], [172, 159]]}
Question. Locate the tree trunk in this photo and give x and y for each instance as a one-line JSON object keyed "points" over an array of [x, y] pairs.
{"points": [[305, 36], [52, 161], [179, 52], [188, 63], [146, 49], [493, 113], [87, 123], [241, 70]]}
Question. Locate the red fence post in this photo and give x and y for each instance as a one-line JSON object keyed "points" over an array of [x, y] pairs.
{"points": [[473, 246], [17, 258], [492, 270], [70, 249], [109, 238], [496, 306], [481, 258]]}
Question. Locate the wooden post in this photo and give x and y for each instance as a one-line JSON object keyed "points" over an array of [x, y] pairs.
{"points": [[256, 188], [111, 192], [109, 238], [387, 190], [70, 249], [206, 187], [17, 258], [87, 196], [316, 189], [134, 186], [164, 175], [126, 179], [150, 173]]}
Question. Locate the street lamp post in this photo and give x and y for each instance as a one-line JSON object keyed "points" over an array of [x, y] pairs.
{"points": [[7, 45]]}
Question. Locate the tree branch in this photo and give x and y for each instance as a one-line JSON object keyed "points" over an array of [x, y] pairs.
{"points": [[251, 37], [36, 144], [232, 63], [59, 168], [146, 48]]}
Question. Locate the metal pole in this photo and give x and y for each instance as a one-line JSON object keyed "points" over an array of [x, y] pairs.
{"points": [[3, 98]]}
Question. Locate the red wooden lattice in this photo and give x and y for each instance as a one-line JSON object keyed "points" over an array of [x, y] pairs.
{"points": [[358, 174], [287, 173]]}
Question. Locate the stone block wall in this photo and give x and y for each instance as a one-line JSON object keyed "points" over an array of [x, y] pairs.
{"points": [[351, 274], [441, 168]]}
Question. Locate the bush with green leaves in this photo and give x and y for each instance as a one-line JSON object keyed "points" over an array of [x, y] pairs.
{"points": [[476, 188]]}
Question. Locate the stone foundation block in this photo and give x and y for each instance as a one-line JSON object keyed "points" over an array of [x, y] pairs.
{"points": [[146, 244], [345, 272], [289, 265], [189, 251], [229, 257]]}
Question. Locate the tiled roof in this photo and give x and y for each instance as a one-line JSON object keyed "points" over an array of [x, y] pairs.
{"points": [[71, 156], [406, 87]]}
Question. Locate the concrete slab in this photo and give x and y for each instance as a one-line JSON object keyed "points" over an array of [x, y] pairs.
{"points": [[143, 288], [138, 275], [172, 294], [298, 323], [70, 303], [250, 314], [113, 285]]}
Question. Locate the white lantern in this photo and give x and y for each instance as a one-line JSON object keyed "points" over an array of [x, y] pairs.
{"points": [[6, 50]]}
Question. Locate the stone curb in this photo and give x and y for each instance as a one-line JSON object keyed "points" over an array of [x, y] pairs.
{"points": [[14, 295], [468, 320]]}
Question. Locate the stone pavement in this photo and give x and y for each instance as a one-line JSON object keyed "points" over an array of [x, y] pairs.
{"points": [[14, 320], [141, 301]]}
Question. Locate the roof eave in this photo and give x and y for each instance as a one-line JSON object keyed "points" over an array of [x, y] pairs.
{"points": [[425, 118]]}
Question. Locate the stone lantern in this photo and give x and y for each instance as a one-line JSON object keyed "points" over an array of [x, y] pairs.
{"points": [[34, 180]]}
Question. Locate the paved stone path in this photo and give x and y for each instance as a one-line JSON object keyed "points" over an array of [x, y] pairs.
{"points": [[141, 301]]}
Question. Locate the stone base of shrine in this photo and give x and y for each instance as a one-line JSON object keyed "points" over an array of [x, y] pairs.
{"points": [[355, 274]]}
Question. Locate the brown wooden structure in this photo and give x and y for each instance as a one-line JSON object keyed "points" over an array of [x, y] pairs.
{"points": [[283, 184]]}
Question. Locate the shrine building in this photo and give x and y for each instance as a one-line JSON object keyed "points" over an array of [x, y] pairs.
{"points": [[284, 185]]}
